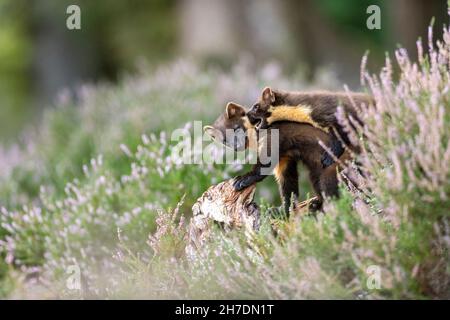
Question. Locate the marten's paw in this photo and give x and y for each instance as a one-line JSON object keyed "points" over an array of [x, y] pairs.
{"points": [[242, 182], [327, 159], [336, 148]]}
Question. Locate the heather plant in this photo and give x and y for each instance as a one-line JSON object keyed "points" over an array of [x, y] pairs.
{"points": [[129, 125], [408, 158], [98, 119], [122, 218], [81, 228]]}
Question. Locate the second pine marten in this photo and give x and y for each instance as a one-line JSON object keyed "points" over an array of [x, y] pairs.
{"points": [[317, 108]]}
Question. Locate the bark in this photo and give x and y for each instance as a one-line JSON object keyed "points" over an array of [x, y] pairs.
{"points": [[222, 205]]}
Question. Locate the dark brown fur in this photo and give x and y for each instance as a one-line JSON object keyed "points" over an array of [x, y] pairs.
{"points": [[323, 106], [298, 142]]}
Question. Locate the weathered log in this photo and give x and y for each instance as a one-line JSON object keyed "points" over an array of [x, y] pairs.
{"points": [[221, 204]]}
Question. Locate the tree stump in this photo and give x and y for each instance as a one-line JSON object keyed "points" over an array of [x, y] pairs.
{"points": [[221, 204]]}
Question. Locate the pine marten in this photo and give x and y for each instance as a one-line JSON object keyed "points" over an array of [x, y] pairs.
{"points": [[317, 108], [297, 142]]}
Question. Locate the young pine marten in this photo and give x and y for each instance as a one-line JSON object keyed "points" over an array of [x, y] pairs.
{"points": [[316, 108], [297, 142]]}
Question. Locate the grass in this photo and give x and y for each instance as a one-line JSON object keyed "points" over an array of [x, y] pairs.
{"points": [[97, 186]]}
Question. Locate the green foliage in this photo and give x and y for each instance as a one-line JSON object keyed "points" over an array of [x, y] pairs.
{"points": [[351, 16], [106, 162], [15, 60], [100, 186]]}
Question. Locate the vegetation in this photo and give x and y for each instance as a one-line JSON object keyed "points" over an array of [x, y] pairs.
{"points": [[97, 186]]}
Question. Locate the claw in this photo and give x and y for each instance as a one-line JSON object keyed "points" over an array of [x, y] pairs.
{"points": [[240, 183], [237, 184]]}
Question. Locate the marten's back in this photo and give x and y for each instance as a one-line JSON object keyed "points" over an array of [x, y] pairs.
{"points": [[301, 134], [324, 103]]}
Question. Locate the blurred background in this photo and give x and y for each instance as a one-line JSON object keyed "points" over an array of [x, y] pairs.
{"points": [[40, 57]]}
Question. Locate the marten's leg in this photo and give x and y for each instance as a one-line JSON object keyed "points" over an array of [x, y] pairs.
{"points": [[328, 183], [287, 178], [257, 172], [246, 180], [316, 204], [252, 177]]}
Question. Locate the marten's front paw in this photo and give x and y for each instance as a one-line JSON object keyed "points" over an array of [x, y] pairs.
{"points": [[242, 182]]}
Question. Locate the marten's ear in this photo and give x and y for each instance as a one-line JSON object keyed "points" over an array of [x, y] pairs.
{"points": [[234, 110], [268, 96]]}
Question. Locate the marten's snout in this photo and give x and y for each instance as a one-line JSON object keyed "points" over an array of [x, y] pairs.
{"points": [[214, 133], [210, 131]]}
